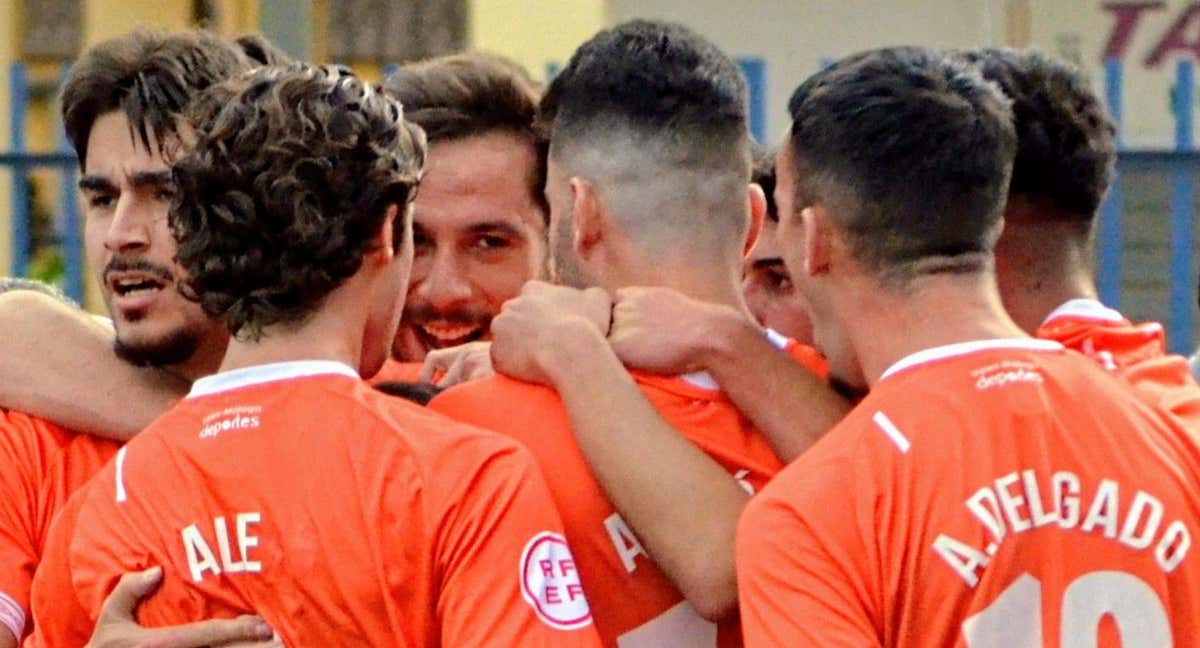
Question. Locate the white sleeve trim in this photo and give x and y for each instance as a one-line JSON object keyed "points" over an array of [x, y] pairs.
{"points": [[12, 616]]}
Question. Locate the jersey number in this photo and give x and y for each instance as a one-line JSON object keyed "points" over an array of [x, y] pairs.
{"points": [[1015, 617]]}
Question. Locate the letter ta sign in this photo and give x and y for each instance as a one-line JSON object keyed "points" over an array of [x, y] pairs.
{"points": [[1182, 37]]}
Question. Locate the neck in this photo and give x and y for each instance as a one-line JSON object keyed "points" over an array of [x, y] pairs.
{"points": [[333, 332], [704, 281], [205, 361], [884, 326], [1041, 266]]}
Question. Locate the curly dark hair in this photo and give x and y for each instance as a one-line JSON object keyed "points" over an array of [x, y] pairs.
{"points": [[150, 76], [288, 182], [1066, 142]]}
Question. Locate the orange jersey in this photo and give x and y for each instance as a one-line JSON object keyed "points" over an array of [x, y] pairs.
{"points": [[342, 516], [998, 493], [41, 464], [1138, 352], [634, 603]]}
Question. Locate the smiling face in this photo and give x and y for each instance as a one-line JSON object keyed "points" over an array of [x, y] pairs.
{"points": [[127, 191], [478, 236]]}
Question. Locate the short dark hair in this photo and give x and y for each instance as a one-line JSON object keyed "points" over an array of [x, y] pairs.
{"points": [[469, 94], [289, 180], [418, 392], [656, 77], [915, 151], [150, 76], [1066, 142], [763, 175]]}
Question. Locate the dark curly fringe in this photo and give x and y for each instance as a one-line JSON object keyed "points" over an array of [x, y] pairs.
{"points": [[288, 183]]}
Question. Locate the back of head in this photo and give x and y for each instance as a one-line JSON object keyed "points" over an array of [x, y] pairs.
{"points": [[471, 94], [911, 153], [656, 116], [1066, 142], [148, 75], [285, 190]]}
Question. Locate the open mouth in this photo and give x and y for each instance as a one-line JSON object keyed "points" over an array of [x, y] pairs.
{"points": [[130, 285], [442, 335]]}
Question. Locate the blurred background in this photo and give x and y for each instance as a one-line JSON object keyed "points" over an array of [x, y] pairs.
{"points": [[1140, 55]]}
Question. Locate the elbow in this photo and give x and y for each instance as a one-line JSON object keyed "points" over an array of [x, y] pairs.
{"points": [[714, 596]]}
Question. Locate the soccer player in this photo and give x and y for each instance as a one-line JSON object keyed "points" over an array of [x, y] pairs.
{"points": [[1066, 152], [648, 184], [284, 484], [143, 78], [479, 221], [772, 298], [972, 498]]}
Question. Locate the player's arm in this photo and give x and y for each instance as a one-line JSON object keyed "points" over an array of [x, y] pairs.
{"points": [[22, 474], [508, 577], [56, 362], [682, 505], [794, 592], [663, 331]]}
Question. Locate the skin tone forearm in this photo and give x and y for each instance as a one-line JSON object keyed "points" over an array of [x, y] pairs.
{"points": [[791, 406], [56, 362], [695, 551]]}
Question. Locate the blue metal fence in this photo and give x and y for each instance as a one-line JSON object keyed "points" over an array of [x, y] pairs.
{"points": [[20, 162]]}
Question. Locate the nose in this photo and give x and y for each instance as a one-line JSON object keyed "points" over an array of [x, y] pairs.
{"points": [[129, 229], [445, 284]]}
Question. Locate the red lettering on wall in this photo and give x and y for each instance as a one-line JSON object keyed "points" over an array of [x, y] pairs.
{"points": [[1126, 16], [1181, 37]]}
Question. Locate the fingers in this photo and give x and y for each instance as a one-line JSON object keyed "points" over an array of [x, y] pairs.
{"points": [[245, 630], [131, 589]]}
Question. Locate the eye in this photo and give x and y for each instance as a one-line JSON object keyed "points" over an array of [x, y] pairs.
{"points": [[779, 280], [165, 194], [487, 242], [101, 201]]}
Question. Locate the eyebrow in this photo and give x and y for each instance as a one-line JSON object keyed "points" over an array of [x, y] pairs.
{"points": [[96, 183], [495, 226], [147, 179]]}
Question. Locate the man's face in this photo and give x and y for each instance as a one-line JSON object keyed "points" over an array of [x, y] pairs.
{"points": [[767, 285], [566, 268], [478, 236], [815, 290], [127, 192]]}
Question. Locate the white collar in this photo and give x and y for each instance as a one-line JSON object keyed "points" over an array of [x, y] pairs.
{"points": [[963, 348], [704, 380], [1085, 309], [259, 374]]}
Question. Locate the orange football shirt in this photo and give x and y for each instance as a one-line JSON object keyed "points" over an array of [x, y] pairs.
{"points": [[1138, 352], [634, 603], [986, 494], [41, 464], [342, 516]]}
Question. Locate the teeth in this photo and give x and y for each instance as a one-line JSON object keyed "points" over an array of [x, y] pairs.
{"points": [[447, 333]]}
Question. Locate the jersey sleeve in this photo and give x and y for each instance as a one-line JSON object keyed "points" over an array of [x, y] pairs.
{"points": [[507, 574], [800, 551], [59, 618], [22, 472]]}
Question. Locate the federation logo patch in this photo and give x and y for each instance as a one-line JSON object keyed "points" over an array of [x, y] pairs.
{"points": [[550, 583]]}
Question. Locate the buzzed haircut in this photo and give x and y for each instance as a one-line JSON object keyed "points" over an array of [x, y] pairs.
{"points": [[285, 189], [654, 102], [470, 94], [763, 175], [150, 76], [911, 151], [1066, 142], [12, 284]]}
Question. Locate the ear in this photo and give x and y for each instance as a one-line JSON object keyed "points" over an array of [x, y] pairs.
{"points": [[758, 211], [818, 239], [589, 216], [385, 238]]}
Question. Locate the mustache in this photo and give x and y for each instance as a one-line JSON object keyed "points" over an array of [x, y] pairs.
{"points": [[422, 314], [138, 265]]}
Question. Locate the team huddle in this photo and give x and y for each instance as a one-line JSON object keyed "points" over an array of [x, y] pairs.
{"points": [[459, 360]]}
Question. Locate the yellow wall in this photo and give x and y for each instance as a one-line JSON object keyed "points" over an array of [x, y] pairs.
{"points": [[105, 19], [8, 46], [534, 32]]}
